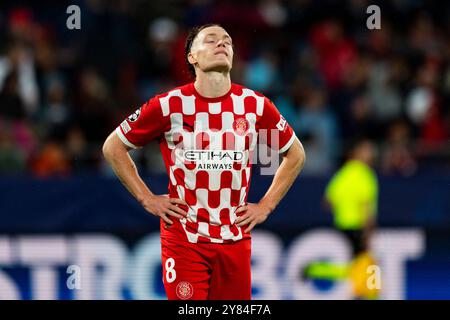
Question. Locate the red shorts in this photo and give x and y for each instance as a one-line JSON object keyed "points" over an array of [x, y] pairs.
{"points": [[201, 271]]}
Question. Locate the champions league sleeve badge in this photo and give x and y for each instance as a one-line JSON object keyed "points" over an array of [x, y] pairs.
{"points": [[133, 117]]}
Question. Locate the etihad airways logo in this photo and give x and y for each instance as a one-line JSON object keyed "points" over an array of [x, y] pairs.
{"points": [[215, 159], [225, 153]]}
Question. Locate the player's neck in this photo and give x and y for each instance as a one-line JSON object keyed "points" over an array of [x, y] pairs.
{"points": [[212, 84]]}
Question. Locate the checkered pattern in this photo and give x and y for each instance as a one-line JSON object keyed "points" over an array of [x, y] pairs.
{"points": [[182, 121]]}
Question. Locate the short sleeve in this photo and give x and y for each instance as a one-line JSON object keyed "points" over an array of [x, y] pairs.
{"points": [[274, 129], [146, 124]]}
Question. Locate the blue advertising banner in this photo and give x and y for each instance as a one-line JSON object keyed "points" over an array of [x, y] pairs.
{"points": [[87, 238]]}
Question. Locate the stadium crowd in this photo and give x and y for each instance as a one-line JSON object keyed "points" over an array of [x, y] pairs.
{"points": [[63, 91]]}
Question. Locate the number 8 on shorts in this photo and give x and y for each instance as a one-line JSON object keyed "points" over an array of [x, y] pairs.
{"points": [[171, 274]]}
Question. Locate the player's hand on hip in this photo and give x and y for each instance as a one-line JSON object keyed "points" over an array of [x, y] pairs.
{"points": [[162, 206], [255, 213]]}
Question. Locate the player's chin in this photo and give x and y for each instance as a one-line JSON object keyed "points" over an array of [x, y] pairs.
{"points": [[219, 66]]}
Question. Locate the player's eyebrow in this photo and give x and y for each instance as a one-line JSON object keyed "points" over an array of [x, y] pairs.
{"points": [[215, 34]]}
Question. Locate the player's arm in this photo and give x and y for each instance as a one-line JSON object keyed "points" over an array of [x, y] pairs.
{"points": [[145, 125], [116, 153], [287, 172], [290, 168], [293, 159]]}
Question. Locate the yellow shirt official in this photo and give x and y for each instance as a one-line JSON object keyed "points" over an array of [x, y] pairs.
{"points": [[353, 193]]}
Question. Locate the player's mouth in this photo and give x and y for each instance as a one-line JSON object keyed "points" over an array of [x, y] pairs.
{"points": [[221, 52]]}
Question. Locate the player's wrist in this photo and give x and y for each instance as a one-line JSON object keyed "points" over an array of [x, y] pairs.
{"points": [[267, 205], [143, 198]]}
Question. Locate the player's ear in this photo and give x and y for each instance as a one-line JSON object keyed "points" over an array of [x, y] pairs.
{"points": [[191, 58]]}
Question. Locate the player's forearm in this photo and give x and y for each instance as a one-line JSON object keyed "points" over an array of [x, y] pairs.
{"points": [[285, 176], [124, 167]]}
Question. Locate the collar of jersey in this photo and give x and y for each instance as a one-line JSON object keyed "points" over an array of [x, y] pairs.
{"points": [[215, 99]]}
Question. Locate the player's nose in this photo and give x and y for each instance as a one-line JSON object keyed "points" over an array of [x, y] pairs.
{"points": [[221, 42]]}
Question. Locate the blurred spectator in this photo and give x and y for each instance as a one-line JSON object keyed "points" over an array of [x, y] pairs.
{"points": [[384, 95], [78, 150], [273, 13], [50, 161], [316, 121], [420, 99], [261, 72], [361, 120], [55, 111], [12, 111], [12, 159], [422, 33], [12, 106], [285, 105], [19, 61], [21, 24], [94, 105], [158, 57], [398, 156], [335, 51]]}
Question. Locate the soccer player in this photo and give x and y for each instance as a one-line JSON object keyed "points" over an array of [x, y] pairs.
{"points": [[207, 131]]}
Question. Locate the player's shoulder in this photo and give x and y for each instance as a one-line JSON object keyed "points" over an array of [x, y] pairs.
{"points": [[239, 89], [159, 99]]}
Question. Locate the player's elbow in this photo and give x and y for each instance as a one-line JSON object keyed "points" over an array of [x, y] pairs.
{"points": [[298, 156], [106, 149], [109, 148], [302, 157]]}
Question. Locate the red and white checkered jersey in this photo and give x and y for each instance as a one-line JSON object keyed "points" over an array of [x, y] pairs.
{"points": [[207, 145]]}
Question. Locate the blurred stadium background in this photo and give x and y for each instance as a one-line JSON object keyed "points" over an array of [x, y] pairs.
{"points": [[62, 91]]}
